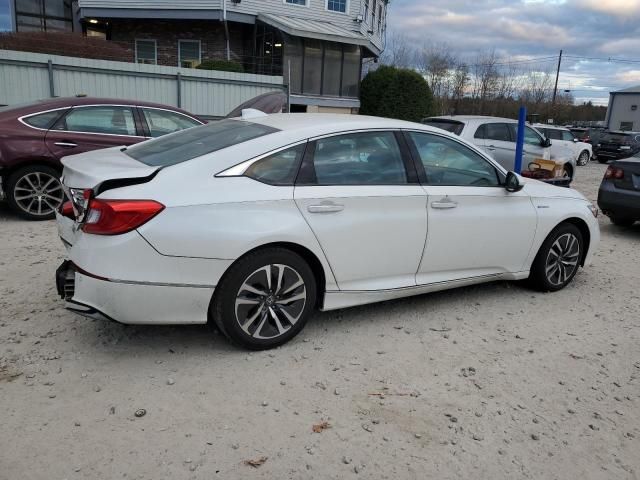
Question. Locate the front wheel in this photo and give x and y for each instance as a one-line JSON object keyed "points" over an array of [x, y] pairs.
{"points": [[35, 192], [265, 299], [558, 259], [583, 158]]}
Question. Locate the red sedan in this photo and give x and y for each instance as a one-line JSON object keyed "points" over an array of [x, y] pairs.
{"points": [[34, 137]]}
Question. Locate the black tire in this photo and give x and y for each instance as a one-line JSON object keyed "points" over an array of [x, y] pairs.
{"points": [[538, 277], [567, 171], [622, 221], [583, 158], [225, 312], [602, 160], [17, 182]]}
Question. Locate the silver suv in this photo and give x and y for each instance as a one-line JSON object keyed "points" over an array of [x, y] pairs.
{"points": [[497, 136]]}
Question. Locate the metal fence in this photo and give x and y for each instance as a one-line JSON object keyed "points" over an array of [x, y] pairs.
{"points": [[28, 76]]}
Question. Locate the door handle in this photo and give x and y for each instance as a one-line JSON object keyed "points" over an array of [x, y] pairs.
{"points": [[491, 147], [66, 144], [442, 204], [325, 208]]}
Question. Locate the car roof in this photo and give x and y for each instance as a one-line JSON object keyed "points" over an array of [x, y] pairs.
{"points": [[62, 102], [552, 127], [463, 118], [316, 124]]}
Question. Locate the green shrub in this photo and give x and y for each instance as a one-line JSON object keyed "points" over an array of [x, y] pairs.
{"points": [[396, 93], [221, 65]]}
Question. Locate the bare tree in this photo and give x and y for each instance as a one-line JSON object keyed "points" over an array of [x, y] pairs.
{"points": [[398, 52], [459, 84], [436, 63], [485, 79], [538, 88]]}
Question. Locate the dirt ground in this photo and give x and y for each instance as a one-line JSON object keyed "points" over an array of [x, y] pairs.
{"points": [[487, 382]]}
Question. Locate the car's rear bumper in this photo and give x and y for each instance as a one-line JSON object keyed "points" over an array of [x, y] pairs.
{"points": [[613, 155], [618, 202], [132, 302]]}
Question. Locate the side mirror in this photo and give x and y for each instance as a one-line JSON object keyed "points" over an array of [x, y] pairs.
{"points": [[575, 140], [546, 143], [512, 184]]}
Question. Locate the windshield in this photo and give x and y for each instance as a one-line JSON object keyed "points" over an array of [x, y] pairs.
{"points": [[194, 142], [449, 125]]}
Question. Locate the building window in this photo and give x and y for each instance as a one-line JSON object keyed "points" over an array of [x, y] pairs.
{"points": [[44, 16], [188, 53], [350, 71], [312, 77], [322, 68], [373, 17], [337, 5], [366, 10], [146, 52], [297, 2], [379, 18]]}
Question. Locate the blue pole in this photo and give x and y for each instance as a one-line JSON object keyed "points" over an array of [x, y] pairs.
{"points": [[522, 117]]}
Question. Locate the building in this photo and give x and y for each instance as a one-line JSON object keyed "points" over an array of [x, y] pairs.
{"points": [[623, 112], [318, 46]]}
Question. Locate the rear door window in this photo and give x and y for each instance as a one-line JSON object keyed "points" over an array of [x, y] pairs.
{"points": [[105, 119], [371, 158], [197, 141]]}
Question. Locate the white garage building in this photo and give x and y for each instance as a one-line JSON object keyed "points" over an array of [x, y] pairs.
{"points": [[623, 112]]}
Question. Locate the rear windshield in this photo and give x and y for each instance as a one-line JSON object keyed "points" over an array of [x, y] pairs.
{"points": [[617, 137], [194, 142], [448, 125]]}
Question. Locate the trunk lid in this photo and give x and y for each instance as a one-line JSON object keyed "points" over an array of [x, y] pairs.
{"points": [[99, 169]]}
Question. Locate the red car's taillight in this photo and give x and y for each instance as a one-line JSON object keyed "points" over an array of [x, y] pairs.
{"points": [[614, 172], [113, 217], [66, 209]]}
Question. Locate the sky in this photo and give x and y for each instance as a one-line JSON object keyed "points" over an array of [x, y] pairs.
{"points": [[529, 29]]}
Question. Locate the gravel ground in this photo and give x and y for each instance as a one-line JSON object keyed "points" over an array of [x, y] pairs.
{"points": [[492, 381]]}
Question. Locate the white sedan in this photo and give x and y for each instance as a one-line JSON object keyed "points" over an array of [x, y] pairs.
{"points": [[254, 222]]}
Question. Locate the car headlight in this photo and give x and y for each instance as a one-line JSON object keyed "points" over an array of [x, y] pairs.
{"points": [[593, 209]]}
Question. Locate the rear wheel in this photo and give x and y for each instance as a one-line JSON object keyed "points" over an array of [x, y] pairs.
{"points": [[602, 160], [622, 221], [558, 259], [583, 158], [265, 299], [35, 192]]}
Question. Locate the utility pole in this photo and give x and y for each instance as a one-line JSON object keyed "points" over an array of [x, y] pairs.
{"points": [[555, 89]]}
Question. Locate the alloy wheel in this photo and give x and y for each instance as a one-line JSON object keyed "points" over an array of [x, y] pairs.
{"points": [[583, 159], [38, 193], [562, 259], [270, 301]]}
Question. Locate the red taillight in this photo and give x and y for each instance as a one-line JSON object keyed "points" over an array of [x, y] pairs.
{"points": [[614, 172], [113, 217], [66, 209]]}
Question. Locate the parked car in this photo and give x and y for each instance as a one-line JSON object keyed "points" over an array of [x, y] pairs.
{"points": [[35, 136], [497, 137], [590, 135], [254, 222], [617, 145], [563, 141], [619, 194]]}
